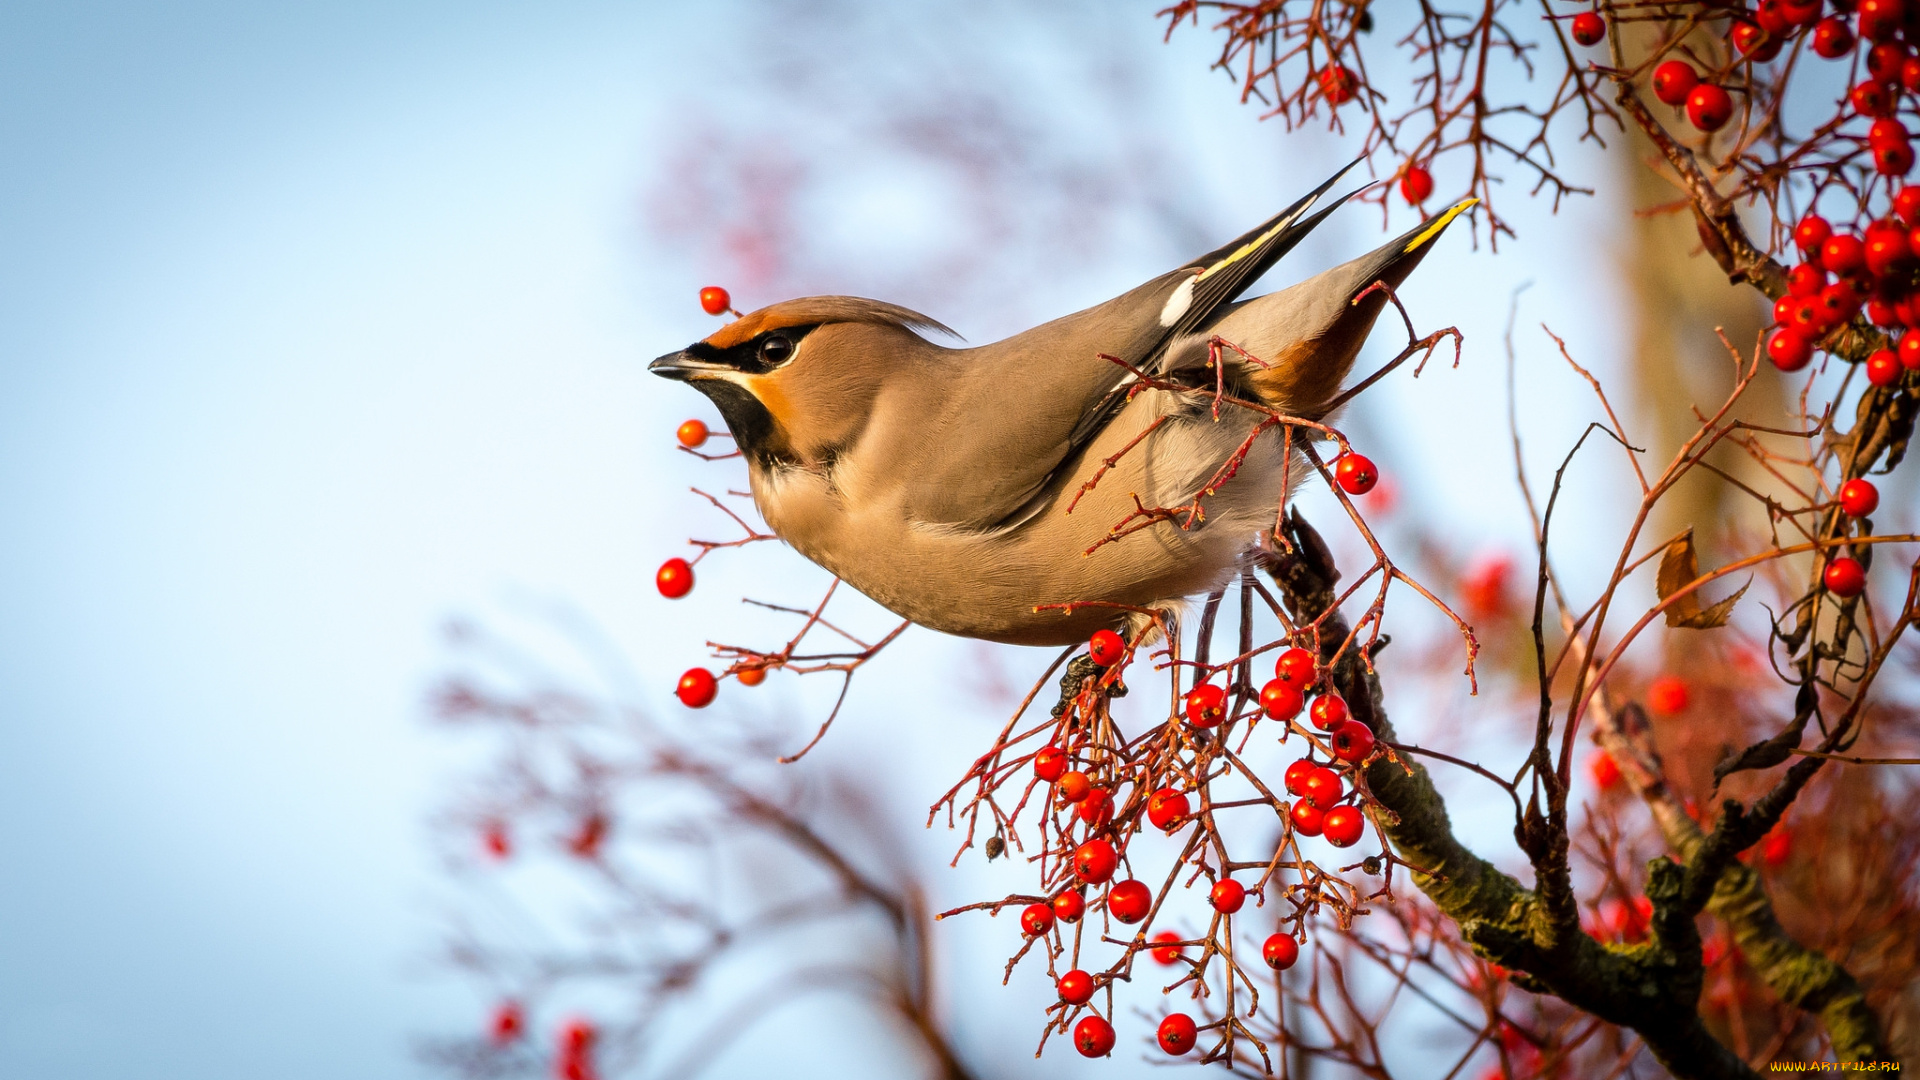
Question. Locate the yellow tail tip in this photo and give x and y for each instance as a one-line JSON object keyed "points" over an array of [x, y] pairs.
{"points": [[1439, 224]]}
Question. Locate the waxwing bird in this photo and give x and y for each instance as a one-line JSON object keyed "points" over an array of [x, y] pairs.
{"points": [[938, 480]]}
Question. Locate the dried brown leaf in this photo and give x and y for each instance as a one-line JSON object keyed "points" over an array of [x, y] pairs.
{"points": [[1679, 566]]}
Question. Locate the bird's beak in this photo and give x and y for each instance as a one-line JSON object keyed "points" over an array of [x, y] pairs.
{"points": [[683, 366]]}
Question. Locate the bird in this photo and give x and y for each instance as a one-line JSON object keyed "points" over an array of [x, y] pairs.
{"points": [[970, 490]]}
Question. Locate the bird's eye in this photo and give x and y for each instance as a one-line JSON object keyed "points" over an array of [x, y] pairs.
{"points": [[776, 349]]}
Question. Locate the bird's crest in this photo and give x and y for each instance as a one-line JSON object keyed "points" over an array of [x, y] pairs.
{"points": [[817, 311]]}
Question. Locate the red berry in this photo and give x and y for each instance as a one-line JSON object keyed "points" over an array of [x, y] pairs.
{"points": [[586, 842], [1832, 38], [1871, 98], [1887, 131], [1910, 75], [1777, 848], [1627, 922], [1774, 18], [1884, 61], [1295, 666], [1835, 304], [692, 434], [1909, 350], [1338, 84], [1094, 861], [1177, 1033], [1328, 711], [1668, 695], [1106, 647], [1307, 818], [1589, 28], [1799, 314], [714, 300], [1166, 949], [1882, 314], [1784, 308], [1074, 786], [1280, 701], [1130, 901], [577, 1037], [1843, 254], [496, 840], [1708, 107], [1893, 159], [1887, 249], [1606, 771], [1093, 1037], [1355, 473], [1037, 919], [1858, 497], [508, 1021], [1344, 826], [1352, 741], [1097, 808], [1050, 763], [1206, 705], [1789, 349], [1227, 896], [1801, 12], [1806, 279], [1754, 43], [1322, 787], [1297, 774], [1811, 234], [674, 579], [1881, 19], [1416, 185], [1280, 952], [697, 688], [1069, 906], [1673, 80], [1075, 987], [752, 676], [1883, 368], [1167, 809], [1845, 577], [1906, 205]]}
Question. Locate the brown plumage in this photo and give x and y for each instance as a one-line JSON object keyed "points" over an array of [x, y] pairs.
{"points": [[936, 480]]}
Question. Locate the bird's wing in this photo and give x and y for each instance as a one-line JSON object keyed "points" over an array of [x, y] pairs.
{"points": [[1214, 282], [1024, 409]]}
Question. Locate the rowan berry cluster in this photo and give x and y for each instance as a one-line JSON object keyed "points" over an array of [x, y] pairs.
{"points": [[1097, 792]]}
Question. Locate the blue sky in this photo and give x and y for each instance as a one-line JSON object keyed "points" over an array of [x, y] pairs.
{"points": [[321, 324]]}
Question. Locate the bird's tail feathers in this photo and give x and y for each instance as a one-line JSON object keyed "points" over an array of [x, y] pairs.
{"points": [[1309, 334]]}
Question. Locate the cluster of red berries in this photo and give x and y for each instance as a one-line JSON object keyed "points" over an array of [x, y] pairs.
{"points": [[1759, 36], [1320, 807], [1840, 274]]}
